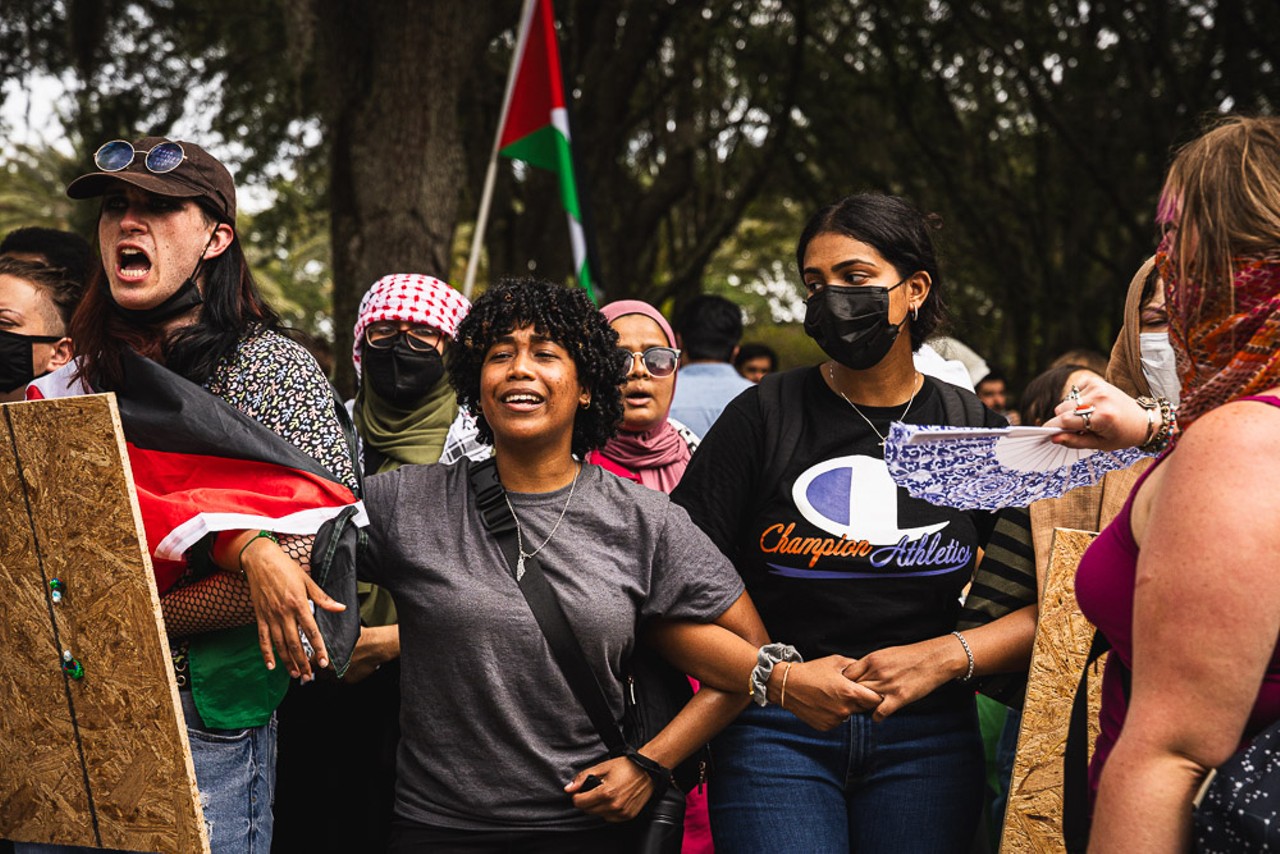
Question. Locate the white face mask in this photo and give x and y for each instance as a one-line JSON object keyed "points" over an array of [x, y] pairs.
{"points": [[1160, 365]]}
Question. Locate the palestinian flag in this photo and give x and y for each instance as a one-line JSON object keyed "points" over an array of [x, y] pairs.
{"points": [[201, 466], [535, 123]]}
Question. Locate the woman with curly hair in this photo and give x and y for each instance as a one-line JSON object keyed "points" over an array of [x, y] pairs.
{"points": [[497, 752]]}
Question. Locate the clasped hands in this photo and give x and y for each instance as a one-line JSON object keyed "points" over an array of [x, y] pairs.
{"points": [[825, 692]]}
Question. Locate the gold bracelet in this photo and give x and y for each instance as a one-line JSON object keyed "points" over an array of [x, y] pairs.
{"points": [[782, 702], [1151, 419]]}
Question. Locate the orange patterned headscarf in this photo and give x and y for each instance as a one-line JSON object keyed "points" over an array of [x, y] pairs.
{"points": [[1227, 340]]}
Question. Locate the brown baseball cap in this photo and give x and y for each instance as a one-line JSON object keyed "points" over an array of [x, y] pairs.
{"points": [[199, 176]]}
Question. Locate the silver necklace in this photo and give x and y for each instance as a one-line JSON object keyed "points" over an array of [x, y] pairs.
{"points": [[882, 436], [524, 555]]}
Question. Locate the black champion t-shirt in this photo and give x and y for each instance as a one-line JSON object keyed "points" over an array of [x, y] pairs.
{"points": [[837, 558]]}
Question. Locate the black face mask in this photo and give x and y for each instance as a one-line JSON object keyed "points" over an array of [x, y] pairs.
{"points": [[851, 323], [185, 298], [17, 367], [401, 375]]}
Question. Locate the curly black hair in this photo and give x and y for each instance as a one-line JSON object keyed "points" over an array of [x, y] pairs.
{"points": [[566, 316]]}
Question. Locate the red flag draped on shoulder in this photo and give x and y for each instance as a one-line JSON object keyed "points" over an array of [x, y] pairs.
{"points": [[201, 466]]}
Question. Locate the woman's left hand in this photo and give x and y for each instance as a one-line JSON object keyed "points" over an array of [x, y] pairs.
{"points": [[1115, 420], [623, 791], [282, 594], [904, 674]]}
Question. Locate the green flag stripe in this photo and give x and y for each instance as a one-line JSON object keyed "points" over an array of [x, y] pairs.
{"points": [[547, 148]]}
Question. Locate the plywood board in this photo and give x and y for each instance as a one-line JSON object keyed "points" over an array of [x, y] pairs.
{"points": [[103, 760], [1033, 818]]}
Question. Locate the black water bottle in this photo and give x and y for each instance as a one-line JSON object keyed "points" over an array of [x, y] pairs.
{"points": [[665, 831]]}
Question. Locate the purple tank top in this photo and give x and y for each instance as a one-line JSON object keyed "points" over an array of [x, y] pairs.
{"points": [[1104, 589]]}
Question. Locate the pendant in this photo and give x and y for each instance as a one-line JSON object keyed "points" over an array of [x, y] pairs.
{"points": [[520, 567]]}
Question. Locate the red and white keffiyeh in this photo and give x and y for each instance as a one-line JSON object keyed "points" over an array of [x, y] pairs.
{"points": [[410, 297]]}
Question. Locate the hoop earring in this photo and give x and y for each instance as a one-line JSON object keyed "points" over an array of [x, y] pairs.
{"points": [[915, 312]]}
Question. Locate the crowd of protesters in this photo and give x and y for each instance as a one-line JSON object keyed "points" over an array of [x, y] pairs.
{"points": [[664, 487]]}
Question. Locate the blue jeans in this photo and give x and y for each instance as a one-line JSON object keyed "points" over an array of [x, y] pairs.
{"points": [[910, 784], [236, 774]]}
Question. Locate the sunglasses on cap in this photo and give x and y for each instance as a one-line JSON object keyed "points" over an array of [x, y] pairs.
{"points": [[119, 154], [383, 336], [660, 362]]}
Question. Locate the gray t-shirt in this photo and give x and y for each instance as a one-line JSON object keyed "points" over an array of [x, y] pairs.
{"points": [[491, 732]]}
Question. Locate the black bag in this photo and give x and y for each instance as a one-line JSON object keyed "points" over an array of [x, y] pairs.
{"points": [[655, 692], [335, 553], [1238, 807], [334, 556]]}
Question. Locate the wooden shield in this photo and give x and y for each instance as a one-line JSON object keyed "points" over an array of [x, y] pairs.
{"points": [[100, 760], [1033, 817]]}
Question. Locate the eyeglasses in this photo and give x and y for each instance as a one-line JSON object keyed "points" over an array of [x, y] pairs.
{"points": [[118, 154], [660, 362], [383, 336]]}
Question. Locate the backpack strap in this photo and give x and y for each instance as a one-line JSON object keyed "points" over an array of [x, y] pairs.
{"points": [[349, 436], [961, 407], [780, 395], [1075, 759]]}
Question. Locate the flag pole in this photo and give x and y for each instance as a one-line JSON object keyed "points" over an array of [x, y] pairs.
{"points": [[587, 222], [491, 174]]}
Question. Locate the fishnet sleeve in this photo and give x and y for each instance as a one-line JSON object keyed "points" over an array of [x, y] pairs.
{"points": [[221, 600]]}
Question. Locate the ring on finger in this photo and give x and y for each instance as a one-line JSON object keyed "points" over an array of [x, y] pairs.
{"points": [[1087, 416]]}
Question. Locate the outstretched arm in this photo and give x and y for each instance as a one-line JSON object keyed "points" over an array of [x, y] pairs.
{"points": [[1117, 421]]}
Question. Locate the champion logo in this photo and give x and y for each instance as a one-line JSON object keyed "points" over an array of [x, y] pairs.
{"points": [[854, 497], [856, 501]]}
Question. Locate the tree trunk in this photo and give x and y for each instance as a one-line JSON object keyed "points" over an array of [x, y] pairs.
{"points": [[390, 76]]}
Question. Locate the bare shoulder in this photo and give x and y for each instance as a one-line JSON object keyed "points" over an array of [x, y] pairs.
{"points": [[1247, 428], [1228, 457]]}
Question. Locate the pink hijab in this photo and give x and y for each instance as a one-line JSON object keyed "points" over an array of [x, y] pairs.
{"points": [[658, 456]]}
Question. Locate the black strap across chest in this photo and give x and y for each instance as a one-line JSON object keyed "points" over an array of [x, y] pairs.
{"points": [[498, 520]]}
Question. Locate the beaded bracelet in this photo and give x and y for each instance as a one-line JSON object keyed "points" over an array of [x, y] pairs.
{"points": [[1158, 438], [964, 643], [267, 535]]}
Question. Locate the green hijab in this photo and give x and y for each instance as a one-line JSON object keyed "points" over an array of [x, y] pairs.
{"points": [[413, 436]]}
